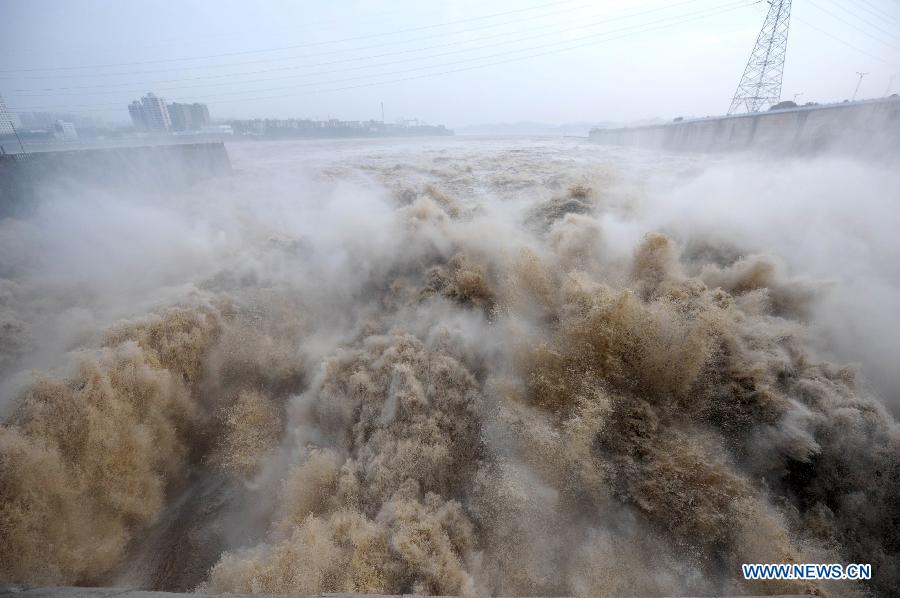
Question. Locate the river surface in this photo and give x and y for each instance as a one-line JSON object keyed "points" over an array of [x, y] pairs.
{"points": [[508, 366]]}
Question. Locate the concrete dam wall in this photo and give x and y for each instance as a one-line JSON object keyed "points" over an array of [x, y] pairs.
{"points": [[24, 178], [871, 126]]}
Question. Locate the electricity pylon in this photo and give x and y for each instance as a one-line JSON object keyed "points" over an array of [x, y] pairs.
{"points": [[761, 83], [858, 83]]}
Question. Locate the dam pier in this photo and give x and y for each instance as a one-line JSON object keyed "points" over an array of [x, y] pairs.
{"points": [[870, 126]]}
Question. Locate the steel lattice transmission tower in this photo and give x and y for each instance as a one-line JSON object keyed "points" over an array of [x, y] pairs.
{"points": [[761, 83]]}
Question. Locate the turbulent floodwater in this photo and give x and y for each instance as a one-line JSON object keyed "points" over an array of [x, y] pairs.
{"points": [[508, 367]]}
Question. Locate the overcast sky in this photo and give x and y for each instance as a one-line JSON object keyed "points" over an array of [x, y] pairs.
{"points": [[457, 62]]}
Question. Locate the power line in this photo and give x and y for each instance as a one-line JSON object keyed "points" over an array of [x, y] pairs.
{"points": [[519, 58], [268, 60], [171, 69], [290, 47], [139, 87], [160, 42], [849, 24], [302, 28], [662, 24], [441, 65], [866, 21], [431, 36], [875, 11], [844, 42], [406, 51], [284, 68]]}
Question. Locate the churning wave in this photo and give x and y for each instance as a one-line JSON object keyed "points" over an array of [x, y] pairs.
{"points": [[446, 373]]}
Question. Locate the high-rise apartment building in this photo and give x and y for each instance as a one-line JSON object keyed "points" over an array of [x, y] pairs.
{"points": [[150, 113], [188, 117], [137, 114]]}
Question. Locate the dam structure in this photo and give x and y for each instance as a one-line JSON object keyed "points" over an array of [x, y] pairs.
{"points": [[868, 126], [26, 177]]}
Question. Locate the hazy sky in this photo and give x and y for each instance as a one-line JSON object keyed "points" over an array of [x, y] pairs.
{"points": [[455, 62]]}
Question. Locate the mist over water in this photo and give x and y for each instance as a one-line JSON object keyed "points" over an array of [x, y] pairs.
{"points": [[465, 366]]}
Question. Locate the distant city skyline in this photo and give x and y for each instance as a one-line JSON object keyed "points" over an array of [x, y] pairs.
{"points": [[459, 63]]}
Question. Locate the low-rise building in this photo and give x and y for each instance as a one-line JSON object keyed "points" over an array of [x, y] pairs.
{"points": [[64, 131]]}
